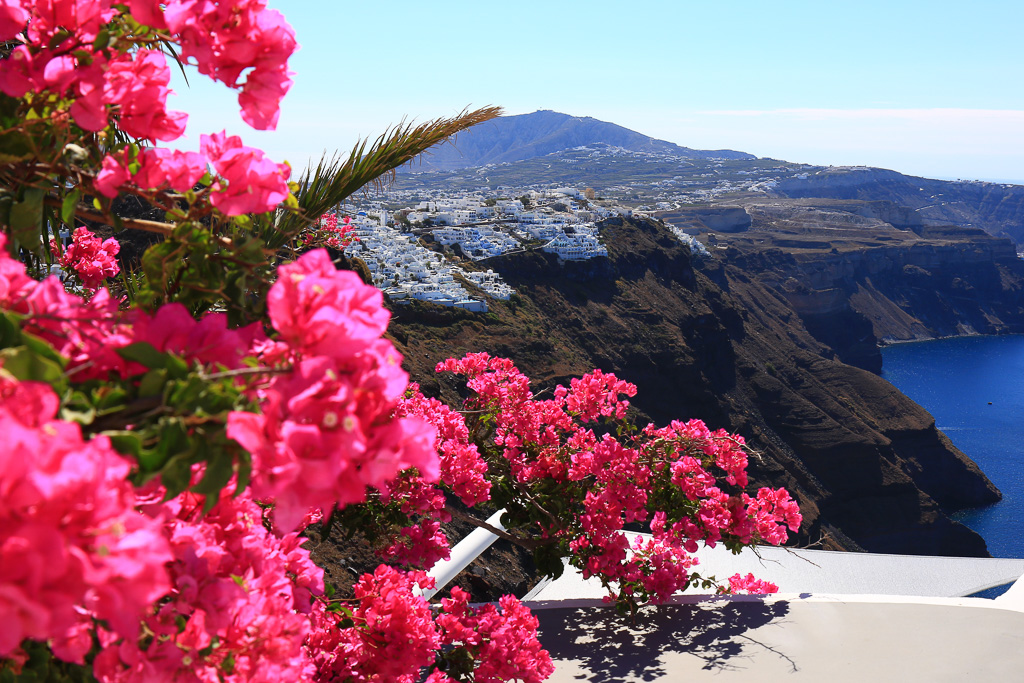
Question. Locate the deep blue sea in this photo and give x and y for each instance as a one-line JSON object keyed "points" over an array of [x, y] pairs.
{"points": [[974, 386]]}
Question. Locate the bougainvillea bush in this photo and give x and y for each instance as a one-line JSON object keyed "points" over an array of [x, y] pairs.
{"points": [[169, 428]]}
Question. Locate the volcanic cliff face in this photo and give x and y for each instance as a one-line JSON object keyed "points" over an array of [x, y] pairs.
{"points": [[857, 281], [994, 207], [718, 342]]}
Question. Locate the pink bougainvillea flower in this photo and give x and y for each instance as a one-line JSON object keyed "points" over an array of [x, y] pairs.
{"points": [[72, 546], [750, 584], [159, 166], [249, 182], [113, 174], [91, 258], [207, 340], [13, 18], [260, 98], [148, 12], [226, 40], [321, 310], [136, 84]]}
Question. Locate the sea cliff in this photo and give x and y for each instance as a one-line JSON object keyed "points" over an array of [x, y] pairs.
{"points": [[723, 340]]}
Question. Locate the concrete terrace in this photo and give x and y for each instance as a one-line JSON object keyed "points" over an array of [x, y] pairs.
{"points": [[838, 617]]}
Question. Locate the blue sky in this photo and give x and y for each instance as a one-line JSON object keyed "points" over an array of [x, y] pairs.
{"points": [[927, 88]]}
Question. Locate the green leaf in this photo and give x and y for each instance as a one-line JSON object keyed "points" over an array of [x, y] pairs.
{"points": [[26, 218], [25, 365], [67, 207], [151, 460], [42, 348], [10, 333], [145, 354], [159, 263], [102, 40], [177, 367], [152, 383], [244, 472], [176, 474], [218, 472], [59, 37], [549, 561], [126, 443], [184, 395], [78, 408], [111, 398], [15, 146], [183, 231]]}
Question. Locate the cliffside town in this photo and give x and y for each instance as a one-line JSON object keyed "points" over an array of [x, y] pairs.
{"points": [[469, 228]]}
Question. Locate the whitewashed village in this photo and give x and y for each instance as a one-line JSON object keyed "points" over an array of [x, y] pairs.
{"points": [[469, 228], [432, 238]]}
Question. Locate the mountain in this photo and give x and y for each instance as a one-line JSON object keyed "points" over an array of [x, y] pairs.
{"points": [[525, 136]]}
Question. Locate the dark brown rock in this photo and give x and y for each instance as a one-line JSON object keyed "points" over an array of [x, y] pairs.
{"points": [[724, 343]]}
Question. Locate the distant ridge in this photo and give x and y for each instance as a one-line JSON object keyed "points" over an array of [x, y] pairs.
{"points": [[514, 138]]}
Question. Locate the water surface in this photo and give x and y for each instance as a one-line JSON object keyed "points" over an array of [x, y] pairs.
{"points": [[974, 386]]}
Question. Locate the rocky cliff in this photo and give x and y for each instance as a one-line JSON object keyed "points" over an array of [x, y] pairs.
{"points": [[996, 208], [721, 341], [857, 281]]}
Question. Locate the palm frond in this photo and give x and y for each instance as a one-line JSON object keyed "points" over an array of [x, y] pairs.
{"points": [[337, 178]]}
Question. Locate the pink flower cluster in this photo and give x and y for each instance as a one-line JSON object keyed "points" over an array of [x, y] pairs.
{"points": [[225, 40], [326, 430], [392, 638], [155, 168], [394, 635], [60, 55], [247, 181], [326, 232], [505, 642], [749, 584], [207, 341], [90, 258], [89, 333], [239, 602], [59, 58], [422, 543], [462, 472], [86, 332], [611, 481], [72, 546]]}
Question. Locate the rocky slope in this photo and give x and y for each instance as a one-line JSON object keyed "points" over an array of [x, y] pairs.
{"points": [[514, 138], [996, 208], [718, 341], [862, 273]]}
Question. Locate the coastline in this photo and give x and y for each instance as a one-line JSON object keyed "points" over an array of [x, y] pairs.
{"points": [[888, 341], [971, 391]]}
